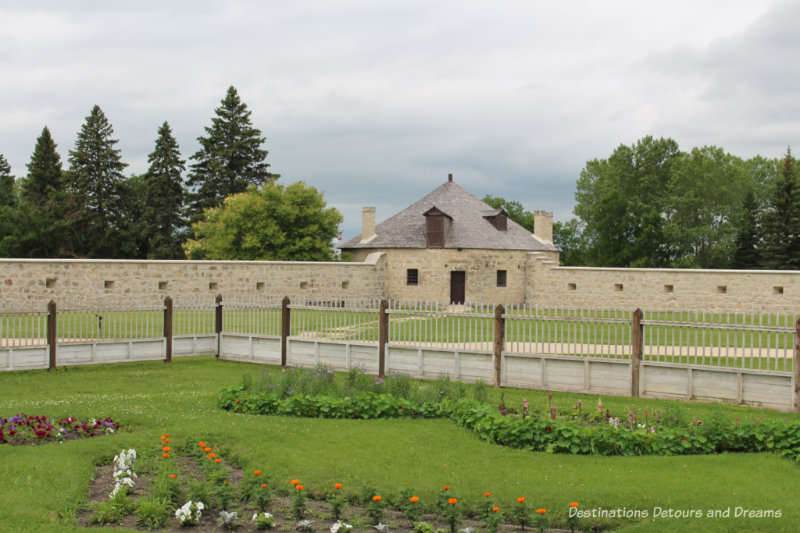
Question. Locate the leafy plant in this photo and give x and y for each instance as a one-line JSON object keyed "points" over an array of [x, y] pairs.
{"points": [[152, 513]]}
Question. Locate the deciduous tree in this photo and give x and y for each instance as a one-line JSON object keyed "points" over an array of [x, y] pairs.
{"points": [[272, 223]]}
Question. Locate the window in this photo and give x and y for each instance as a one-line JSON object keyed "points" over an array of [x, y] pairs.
{"points": [[50, 283], [618, 287], [108, 284], [777, 290], [213, 285], [669, 288], [501, 278], [722, 289], [571, 286], [259, 285], [162, 285], [412, 276]]}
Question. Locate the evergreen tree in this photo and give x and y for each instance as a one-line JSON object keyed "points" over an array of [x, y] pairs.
{"points": [[44, 171], [746, 254], [164, 198], [782, 220], [42, 226], [8, 193], [231, 158], [95, 175]]}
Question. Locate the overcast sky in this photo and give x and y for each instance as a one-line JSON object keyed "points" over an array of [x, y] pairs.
{"points": [[375, 102]]}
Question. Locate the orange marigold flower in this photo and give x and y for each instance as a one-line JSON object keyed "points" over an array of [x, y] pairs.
{"points": [[495, 509], [573, 504], [263, 485], [521, 499], [207, 450], [541, 511], [295, 481], [212, 455], [166, 441], [202, 444], [164, 455], [166, 434], [256, 472], [167, 448], [218, 460], [487, 494], [298, 487], [376, 498], [452, 501], [446, 487], [337, 485], [172, 476], [413, 499]]}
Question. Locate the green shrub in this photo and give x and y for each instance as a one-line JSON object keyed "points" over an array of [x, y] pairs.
{"points": [[153, 513]]}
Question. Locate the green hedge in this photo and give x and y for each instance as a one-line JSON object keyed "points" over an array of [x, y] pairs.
{"points": [[534, 433]]}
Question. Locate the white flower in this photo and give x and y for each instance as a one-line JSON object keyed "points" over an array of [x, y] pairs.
{"points": [[339, 525]]}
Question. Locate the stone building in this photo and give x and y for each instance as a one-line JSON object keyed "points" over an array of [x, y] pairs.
{"points": [[452, 247]]}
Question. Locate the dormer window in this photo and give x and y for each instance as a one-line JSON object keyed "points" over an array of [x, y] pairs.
{"points": [[434, 227], [497, 218]]}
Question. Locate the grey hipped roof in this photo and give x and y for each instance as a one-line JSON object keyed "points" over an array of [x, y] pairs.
{"points": [[468, 228]]}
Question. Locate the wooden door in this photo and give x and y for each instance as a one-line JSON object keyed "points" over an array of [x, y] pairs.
{"points": [[458, 286]]}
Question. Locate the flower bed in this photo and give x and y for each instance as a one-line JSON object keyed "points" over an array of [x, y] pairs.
{"points": [[25, 429], [577, 431], [191, 485]]}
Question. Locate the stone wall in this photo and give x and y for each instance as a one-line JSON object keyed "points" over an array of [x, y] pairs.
{"points": [[28, 284], [669, 289], [532, 278]]}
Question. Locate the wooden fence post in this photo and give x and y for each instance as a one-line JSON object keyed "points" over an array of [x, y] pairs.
{"points": [[796, 368], [637, 350], [286, 328], [218, 322], [499, 343], [168, 328], [52, 333], [383, 337]]}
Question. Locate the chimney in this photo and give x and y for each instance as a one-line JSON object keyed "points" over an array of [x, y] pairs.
{"points": [[367, 224], [449, 177], [543, 225]]}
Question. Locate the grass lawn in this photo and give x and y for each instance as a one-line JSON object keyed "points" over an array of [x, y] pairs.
{"points": [[42, 486]]}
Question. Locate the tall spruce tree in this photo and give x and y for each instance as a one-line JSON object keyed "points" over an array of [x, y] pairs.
{"points": [[782, 219], [43, 225], [8, 193], [44, 178], [747, 246], [95, 175], [164, 198], [231, 158]]}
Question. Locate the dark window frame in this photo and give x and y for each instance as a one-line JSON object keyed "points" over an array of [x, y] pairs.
{"points": [[502, 278], [412, 276]]}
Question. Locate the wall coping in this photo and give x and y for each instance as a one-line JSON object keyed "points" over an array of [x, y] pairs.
{"points": [[175, 261], [678, 270]]}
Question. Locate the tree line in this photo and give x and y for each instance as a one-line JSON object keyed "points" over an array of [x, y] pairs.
{"points": [[651, 204], [229, 206]]}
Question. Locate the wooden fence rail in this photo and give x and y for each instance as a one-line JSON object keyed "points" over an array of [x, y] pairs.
{"points": [[651, 344]]}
